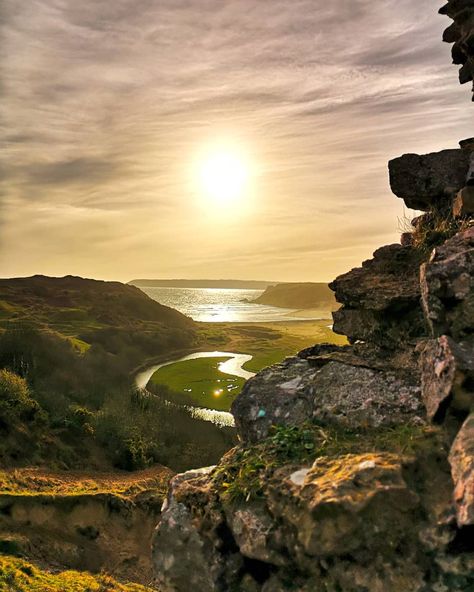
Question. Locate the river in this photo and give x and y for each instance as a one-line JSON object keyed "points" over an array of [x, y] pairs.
{"points": [[232, 366]]}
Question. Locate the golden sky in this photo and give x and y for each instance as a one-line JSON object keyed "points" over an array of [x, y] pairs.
{"points": [[108, 106]]}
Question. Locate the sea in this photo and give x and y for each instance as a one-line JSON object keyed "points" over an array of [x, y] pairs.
{"points": [[217, 305]]}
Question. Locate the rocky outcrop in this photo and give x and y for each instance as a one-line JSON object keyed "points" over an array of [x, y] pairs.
{"points": [[461, 33], [380, 299], [295, 392], [429, 180]]}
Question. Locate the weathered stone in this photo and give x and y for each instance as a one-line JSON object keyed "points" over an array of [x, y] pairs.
{"points": [[389, 279], [186, 551], [461, 33], [293, 392], [447, 286], [279, 394], [356, 397], [447, 373], [255, 532], [463, 204], [430, 180], [381, 299], [344, 504], [461, 459]]}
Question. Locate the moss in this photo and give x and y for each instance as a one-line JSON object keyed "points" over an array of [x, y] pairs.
{"points": [[243, 471], [19, 576]]}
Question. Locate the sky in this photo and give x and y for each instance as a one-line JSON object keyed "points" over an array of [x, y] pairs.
{"points": [[108, 108]]}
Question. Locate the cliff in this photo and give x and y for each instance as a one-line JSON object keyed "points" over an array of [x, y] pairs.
{"points": [[299, 295], [355, 468]]}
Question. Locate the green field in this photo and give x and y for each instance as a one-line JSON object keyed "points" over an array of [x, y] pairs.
{"points": [[202, 382], [199, 382]]}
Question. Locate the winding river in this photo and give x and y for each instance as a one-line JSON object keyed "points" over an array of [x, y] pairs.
{"points": [[232, 366]]}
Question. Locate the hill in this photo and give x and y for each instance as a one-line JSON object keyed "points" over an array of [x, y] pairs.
{"points": [[299, 295], [74, 300], [67, 349]]}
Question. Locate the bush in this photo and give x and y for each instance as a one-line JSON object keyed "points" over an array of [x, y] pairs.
{"points": [[15, 400]]}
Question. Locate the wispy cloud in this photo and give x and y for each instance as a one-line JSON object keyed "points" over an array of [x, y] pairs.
{"points": [[105, 104]]}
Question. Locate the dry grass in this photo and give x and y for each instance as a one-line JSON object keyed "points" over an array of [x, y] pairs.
{"points": [[17, 575], [37, 482]]}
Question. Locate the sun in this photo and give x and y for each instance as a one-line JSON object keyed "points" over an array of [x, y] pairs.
{"points": [[223, 175]]}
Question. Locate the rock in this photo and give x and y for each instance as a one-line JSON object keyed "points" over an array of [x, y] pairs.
{"points": [[344, 504], [463, 204], [461, 33], [276, 395], [255, 532], [355, 397], [461, 459], [447, 373], [185, 555], [381, 299], [294, 392], [447, 286], [389, 279], [467, 144], [320, 349], [430, 180]]}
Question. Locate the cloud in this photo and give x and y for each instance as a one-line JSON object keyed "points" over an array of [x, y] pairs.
{"points": [[106, 104]]}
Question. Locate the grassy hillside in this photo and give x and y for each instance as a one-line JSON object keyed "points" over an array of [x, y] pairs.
{"points": [[90, 311], [67, 348], [306, 295]]}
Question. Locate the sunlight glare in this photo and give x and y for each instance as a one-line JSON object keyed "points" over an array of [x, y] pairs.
{"points": [[224, 175]]}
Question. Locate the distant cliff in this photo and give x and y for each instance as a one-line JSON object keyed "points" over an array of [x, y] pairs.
{"points": [[308, 295]]}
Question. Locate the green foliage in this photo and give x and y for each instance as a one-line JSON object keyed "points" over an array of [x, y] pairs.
{"points": [[15, 400], [138, 429], [244, 470]]}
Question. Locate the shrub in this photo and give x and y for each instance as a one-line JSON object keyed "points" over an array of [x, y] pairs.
{"points": [[15, 400]]}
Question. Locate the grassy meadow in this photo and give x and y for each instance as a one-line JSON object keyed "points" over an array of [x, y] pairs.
{"points": [[200, 382]]}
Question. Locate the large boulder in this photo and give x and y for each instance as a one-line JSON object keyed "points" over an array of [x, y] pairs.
{"points": [[340, 505], [447, 286], [431, 180], [294, 392]]}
